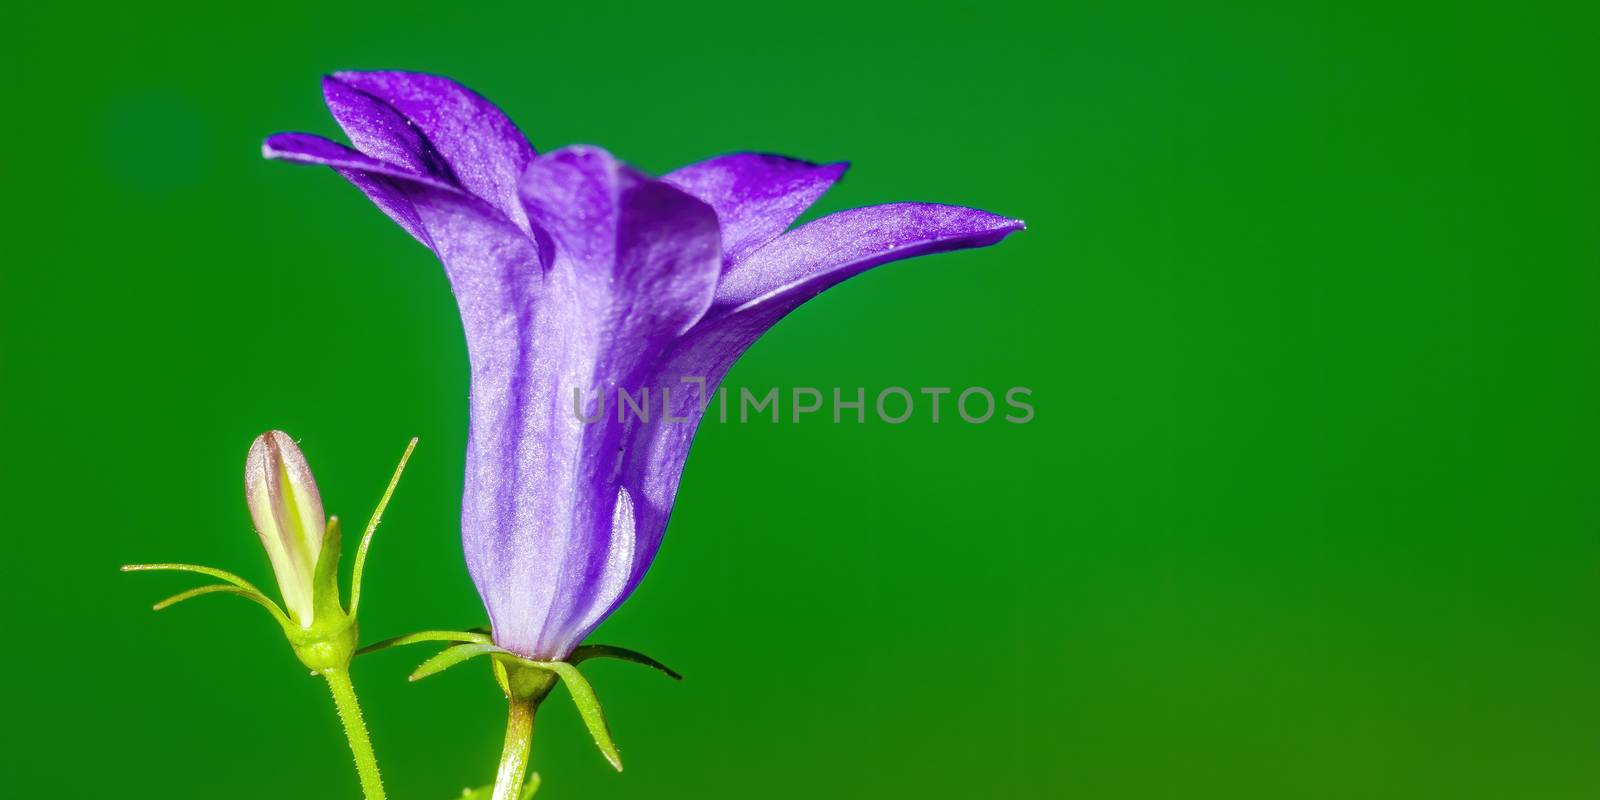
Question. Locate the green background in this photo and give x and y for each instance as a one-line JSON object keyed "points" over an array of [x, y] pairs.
{"points": [[1310, 507]]}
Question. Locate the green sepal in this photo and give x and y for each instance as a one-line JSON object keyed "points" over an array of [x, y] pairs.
{"points": [[248, 594], [527, 680], [589, 651], [325, 583], [513, 672], [213, 572], [372, 526], [459, 637], [594, 717], [236, 585], [451, 656], [330, 642]]}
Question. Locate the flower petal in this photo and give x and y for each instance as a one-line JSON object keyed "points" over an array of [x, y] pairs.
{"points": [[655, 247], [833, 248], [631, 262], [309, 148], [756, 195], [382, 182], [494, 268], [378, 130], [778, 279], [517, 321], [481, 145]]}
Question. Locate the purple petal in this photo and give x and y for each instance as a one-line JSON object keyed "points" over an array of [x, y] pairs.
{"points": [[781, 276], [756, 195], [379, 180], [308, 148], [378, 130], [493, 267], [544, 526], [483, 148], [389, 199], [837, 246], [509, 305], [615, 224]]}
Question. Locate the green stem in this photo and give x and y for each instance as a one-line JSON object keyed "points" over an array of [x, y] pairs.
{"points": [[344, 697], [514, 757]]}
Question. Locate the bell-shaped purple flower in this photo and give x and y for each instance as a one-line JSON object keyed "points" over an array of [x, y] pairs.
{"points": [[574, 271]]}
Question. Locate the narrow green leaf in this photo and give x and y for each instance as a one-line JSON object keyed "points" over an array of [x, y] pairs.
{"points": [[586, 652], [532, 787]]}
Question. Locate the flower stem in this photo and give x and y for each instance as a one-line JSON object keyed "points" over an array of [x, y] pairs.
{"points": [[514, 756], [344, 697]]}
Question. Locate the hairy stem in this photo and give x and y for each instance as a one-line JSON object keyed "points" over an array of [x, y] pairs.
{"points": [[344, 697], [519, 743]]}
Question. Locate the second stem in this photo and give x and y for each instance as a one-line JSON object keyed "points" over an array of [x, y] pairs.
{"points": [[344, 698]]}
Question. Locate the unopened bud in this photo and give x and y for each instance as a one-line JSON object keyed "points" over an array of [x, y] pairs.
{"points": [[288, 515]]}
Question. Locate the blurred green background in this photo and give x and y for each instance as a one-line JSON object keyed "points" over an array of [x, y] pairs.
{"points": [[1310, 507]]}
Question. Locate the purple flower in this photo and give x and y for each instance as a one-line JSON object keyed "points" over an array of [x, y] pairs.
{"points": [[573, 271]]}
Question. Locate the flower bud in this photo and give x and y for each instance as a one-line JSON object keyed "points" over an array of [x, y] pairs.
{"points": [[287, 510]]}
